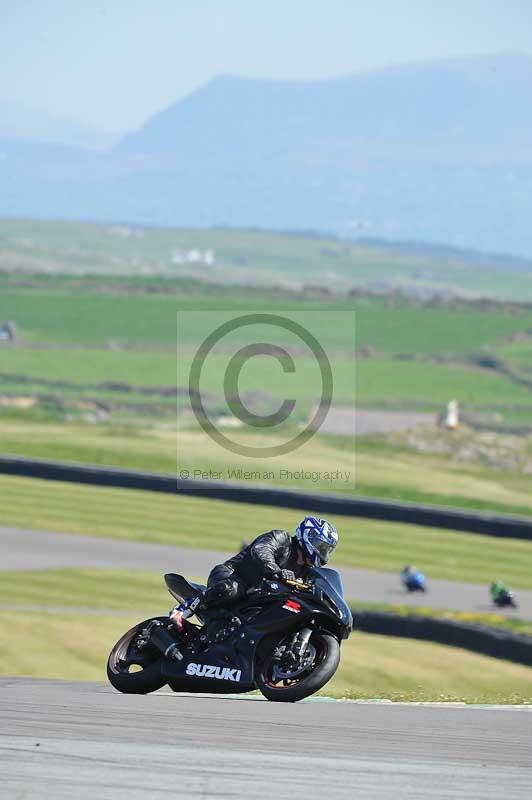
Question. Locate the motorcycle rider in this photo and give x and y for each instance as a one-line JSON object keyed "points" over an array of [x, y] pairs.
{"points": [[408, 571], [500, 593], [412, 579], [273, 555]]}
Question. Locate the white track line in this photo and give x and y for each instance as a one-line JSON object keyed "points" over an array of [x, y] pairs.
{"points": [[362, 702]]}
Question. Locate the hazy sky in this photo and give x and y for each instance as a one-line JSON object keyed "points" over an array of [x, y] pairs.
{"points": [[115, 62]]}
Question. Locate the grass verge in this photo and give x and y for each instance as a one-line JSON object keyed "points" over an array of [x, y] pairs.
{"points": [[401, 669], [84, 589], [381, 469]]}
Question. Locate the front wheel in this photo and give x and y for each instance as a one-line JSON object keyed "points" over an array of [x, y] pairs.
{"points": [[318, 665], [134, 667]]}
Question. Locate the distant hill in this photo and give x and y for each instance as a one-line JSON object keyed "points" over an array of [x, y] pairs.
{"points": [[436, 151], [318, 264], [25, 123], [474, 106]]}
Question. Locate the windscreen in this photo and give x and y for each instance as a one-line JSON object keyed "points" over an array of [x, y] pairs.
{"points": [[331, 584], [333, 578]]}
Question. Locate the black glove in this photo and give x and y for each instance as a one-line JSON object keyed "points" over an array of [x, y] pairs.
{"points": [[287, 575]]}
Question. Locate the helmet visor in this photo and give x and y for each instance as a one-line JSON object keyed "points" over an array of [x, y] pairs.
{"points": [[322, 548]]}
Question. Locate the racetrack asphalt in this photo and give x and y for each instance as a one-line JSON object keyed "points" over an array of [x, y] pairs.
{"points": [[62, 740], [32, 550]]}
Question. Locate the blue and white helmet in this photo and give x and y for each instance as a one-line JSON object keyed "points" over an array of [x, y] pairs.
{"points": [[317, 538]]}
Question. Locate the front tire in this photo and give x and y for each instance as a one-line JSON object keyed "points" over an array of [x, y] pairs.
{"points": [[321, 671], [125, 655]]}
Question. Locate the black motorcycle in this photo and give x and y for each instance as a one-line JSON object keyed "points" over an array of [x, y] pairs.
{"points": [[282, 638], [505, 599]]}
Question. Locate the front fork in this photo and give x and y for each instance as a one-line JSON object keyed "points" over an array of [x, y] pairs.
{"points": [[300, 642], [297, 647]]}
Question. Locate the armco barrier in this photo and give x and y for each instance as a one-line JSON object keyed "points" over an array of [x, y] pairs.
{"points": [[478, 638], [436, 517]]}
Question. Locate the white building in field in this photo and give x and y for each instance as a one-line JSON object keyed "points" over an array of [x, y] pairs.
{"points": [[194, 256]]}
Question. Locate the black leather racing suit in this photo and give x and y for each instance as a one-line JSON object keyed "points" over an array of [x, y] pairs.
{"points": [[265, 557]]}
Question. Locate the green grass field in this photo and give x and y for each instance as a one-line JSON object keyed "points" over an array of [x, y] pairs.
{"points": [[218, 525], [94, 315], [518, 354], [370, 383], [98, 333]]}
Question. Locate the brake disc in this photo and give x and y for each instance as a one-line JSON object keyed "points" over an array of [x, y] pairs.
{"points": [[281, 673]]}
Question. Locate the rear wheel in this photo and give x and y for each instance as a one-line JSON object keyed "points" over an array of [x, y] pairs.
{"points": [[283, 683], [134, 667]]}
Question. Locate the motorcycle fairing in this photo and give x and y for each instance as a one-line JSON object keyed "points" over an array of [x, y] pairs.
{"points": [[329, 589], [221, 658], [238, 652]]}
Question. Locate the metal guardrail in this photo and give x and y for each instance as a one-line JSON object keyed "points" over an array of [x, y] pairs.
{"points": [[502, 525], [469, 636]]}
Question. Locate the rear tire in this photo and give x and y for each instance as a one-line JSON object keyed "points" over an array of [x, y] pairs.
{"points": [[124, 655], [328, 658]]}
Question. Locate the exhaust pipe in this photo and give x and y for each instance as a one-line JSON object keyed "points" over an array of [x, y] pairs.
{"points": [[161, 637]]}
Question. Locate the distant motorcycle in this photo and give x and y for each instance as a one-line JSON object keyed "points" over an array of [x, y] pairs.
{"points": [[502, 596], [413, 580], [282, 638]]}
